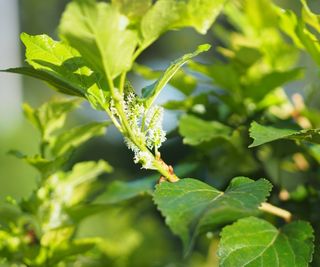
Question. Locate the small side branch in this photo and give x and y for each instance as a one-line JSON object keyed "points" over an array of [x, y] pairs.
{"points": [[284, 214]]}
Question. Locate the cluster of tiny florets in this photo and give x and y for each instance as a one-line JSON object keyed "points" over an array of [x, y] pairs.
{"points": [[146, 126], [155, 134]]}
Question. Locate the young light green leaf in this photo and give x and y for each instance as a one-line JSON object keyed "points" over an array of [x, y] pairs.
{"points": [[76, 186], [182, 81], [45, 166], [99, 32], [264, 134], [133, 9], [167, 15], [196, 131], [151, 92], [73, 138], [255, 242], [270, 81], [50, 116], [72, 248], [58, 63], [300, 34], [85, 171], [192, 207], [310, 17]]}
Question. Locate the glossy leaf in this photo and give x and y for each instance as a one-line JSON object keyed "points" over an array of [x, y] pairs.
{"points": [[192, 207], [264, 134], [99, 32], [59, 64], [255, 242], [196, 131]]}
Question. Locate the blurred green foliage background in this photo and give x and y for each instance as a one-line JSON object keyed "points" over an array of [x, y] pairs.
{"points": [[143, 225]]}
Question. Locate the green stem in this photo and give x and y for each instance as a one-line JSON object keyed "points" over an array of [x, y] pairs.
{"points": [[164, 169], [122, 81], [126, 130], [113, 119]]}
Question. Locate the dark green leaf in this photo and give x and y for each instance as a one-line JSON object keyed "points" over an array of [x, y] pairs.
{"points": [[192, 207], [119, 191], [255, 242], [263, 134], [196, 131], [56, 83]]}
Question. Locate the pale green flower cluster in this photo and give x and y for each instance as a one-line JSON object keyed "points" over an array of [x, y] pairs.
{"points": [[146, 127]]}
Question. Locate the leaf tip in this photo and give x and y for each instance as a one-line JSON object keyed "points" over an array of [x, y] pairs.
{"points": [[204, 47]]}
